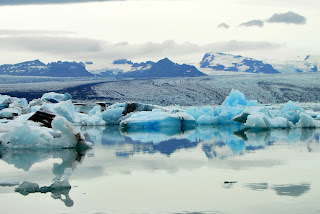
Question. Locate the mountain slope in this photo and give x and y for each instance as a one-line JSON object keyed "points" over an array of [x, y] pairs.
{"points": [[149, 69], [235, 63], [38, 68], [308, 63]]}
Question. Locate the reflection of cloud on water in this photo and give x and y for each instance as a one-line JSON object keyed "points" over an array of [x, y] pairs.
{"points": [[257, 186], [294, 190]]}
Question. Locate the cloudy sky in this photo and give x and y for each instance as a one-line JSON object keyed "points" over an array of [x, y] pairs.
{"points": [[101, 31]]}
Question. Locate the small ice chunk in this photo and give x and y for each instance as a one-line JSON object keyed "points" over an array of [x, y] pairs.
{"points": [[207, 120], [152, 120], [94, 118], [306, 121], [112, 116], [197, 112], [67, 110], [36, 102], [53, 97], [257, 120], [9, 113], [292, 111], [237, 98]]}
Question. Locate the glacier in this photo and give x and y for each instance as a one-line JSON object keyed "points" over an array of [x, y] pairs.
{"points": [[53, 121]]}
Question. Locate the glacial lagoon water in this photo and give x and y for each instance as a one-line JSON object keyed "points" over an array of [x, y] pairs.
{"points": [[205, 170]]}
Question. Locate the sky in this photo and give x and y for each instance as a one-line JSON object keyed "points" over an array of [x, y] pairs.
{"points": [[184, 30]]}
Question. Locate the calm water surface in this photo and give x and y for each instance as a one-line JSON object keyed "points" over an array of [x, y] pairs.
{"points": [[275, 171]]}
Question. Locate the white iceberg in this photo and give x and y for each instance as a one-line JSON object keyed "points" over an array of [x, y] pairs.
{"points": [[32, 135]]}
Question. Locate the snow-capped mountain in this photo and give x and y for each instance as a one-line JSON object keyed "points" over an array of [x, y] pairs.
{"points": [[163, 68], [236, 63], [38, 68], [308, 63]]}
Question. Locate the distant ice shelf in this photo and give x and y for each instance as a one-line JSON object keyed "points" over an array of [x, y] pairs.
{"points": [[53, 120]]}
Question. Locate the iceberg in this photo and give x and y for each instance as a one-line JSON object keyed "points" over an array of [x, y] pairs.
{"points": [[223, 115], [32, 135], [291, 115]]}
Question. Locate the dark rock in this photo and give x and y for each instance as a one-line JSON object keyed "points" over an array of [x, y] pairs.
{"points": [[242, 118], [42, 117], [103, 105], [129, 107], [230, 182]]}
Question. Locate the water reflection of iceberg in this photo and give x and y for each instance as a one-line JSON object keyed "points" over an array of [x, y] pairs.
{"points": [[59, 187], [216, 142], [25, 158]]}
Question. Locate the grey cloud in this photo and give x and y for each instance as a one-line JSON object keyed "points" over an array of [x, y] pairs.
{"points": [[7, 32], [252, 23], [33, 2], [48, 44], [288, 18], [223, 25], [126, 50], [81, 49]]}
